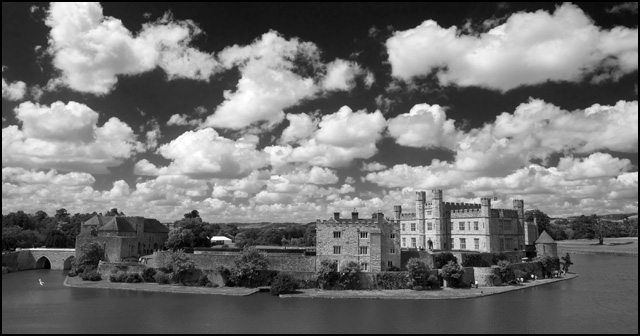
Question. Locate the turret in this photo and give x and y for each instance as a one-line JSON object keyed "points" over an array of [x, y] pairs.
{"points": [[397, 211], [518, 205], [336, 215], [485, 207], [354, 215]]}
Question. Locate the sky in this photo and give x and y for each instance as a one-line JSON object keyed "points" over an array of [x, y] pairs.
{"points": [[288, 112]]}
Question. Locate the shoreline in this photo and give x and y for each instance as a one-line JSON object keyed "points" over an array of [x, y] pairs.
{"points": [[77, 282], [561, 252], [439, 294], [401, 294]]}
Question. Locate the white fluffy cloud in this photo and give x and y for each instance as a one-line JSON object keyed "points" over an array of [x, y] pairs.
{"points": [[14, 90], [337, 140], [182, 120], [205, 154], [52, 177], [373, 166], [91, 50], [341, 75], [424, 126], [66, 137], [268, 83], [595, 166], [528, 49]]}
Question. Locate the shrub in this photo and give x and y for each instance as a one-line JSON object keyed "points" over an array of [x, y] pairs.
{"points": [[350, 276], [393, 269], [203, 280], [519, 274], [497, 257], [179, 265], [90, 256], [549, 264], [91, 275], [283, 283], [307, 284], [452, 272], [328, 275], [474, 260], [566, 262], [148, 275], [162, 278], [506, 274], [418, 270], [394, 280], [248, 265], [118, 276], [133, 278], [433, 282], [417, 288], [444, 258]]}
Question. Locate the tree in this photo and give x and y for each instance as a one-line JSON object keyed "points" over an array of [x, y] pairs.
{"points": [[248, 265], [114, 212], [566, 262], [418, 270], [598, 228], [202, 231], [328, 274], [179, 238], [541, 218], [192, 214], [452, 272], [89, 258], [56, 239], [310, 235], [179, 265], [350, 276]]}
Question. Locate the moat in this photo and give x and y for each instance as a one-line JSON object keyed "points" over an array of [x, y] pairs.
{"points": [[604, 299]]}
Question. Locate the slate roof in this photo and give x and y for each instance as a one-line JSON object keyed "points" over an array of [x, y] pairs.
{"points": [[153, 225], [545, 238], [120, 224], [124, 224]]}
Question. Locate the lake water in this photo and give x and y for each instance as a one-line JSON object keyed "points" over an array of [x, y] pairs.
{"points": [[603, 299]]}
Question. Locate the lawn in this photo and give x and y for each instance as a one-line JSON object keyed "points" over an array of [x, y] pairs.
{"points": [[628, 245]]}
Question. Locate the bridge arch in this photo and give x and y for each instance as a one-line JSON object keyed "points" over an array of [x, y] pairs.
{"points": [[43, 262], [68, 263]]}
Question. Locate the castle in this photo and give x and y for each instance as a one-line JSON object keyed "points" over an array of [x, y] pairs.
{"points": [[439, 225], [375, 243]]}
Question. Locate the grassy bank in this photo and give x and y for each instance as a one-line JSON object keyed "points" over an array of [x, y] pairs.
{"points": [[616, 246]]}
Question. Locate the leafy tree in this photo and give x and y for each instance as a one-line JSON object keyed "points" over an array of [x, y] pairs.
{"points": [[350, 276], [192, 214], [452, 272], [179, 265], [541, 218], [443, 258], [283, 283], [310, 235], [14, 236], [506, 273], [328, 274], [180, 238], [248, 265], [89, 258], [56, 239], [598, 228], [19, 219], [566, 262], [202, 231], [418, 270]]}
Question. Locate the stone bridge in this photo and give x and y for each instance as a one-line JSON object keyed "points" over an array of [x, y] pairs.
{"points": [[53, 258]]}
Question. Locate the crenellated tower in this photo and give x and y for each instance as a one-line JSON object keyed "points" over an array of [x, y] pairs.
{"points": [[397, 212], [439, 222], [518, 205]]}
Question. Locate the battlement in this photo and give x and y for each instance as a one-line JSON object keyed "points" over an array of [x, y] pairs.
{"points": [[504, 213], [465, 213], [448, 206], [408, 215]]}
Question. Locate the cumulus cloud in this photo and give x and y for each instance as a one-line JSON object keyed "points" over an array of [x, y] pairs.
{"points": [[269, 81], [92, 50], [67, 137], [13, 90], [528, 49], [341, 75], [337, 140], [373, 166], [52, 177], [301, 127], [595, 166], [205, 154], [631, 7], [424, 126]]}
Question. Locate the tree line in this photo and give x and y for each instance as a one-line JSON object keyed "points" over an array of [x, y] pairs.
{"points": [[585, 227]]}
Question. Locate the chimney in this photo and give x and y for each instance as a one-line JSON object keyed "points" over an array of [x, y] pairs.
{"points": [[354, 215], [336, 215]]}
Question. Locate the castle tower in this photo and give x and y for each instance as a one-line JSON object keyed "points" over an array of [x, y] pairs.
{"points": [[518, 205], [397, 212], [420, 212], [485, 213], [442, 233]]}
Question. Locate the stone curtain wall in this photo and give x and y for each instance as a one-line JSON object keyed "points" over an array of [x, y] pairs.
{"points": [[107, 268], [209, 261]]}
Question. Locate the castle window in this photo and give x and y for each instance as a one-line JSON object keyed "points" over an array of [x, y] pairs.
{"points": [[475, 226], [364, 235], [404, 228], [337, 234], [337, 249], [463, 244], [476, 243], [428, 213], [404, 242], [392, 250], [363, 250], [452, 243], [413, 242], [413, 226], [392, 236], [429, 226], [365, 266], [506, 225], [389, 264], [461, 226]]}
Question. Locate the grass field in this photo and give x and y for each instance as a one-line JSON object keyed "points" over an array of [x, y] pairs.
{"points": [[627, 245]]}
